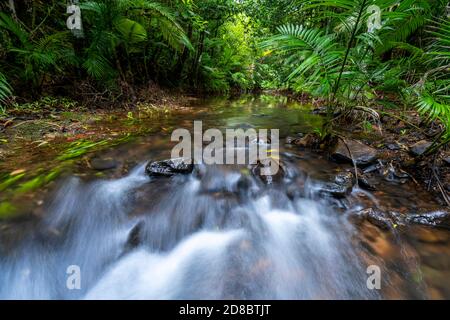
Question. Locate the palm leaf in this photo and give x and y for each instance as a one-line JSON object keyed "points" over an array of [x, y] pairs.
{"points": [[5, 88]]}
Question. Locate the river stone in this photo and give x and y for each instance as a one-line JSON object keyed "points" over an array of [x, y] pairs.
{"points": [[439, 218], [103, 164], [292, 140], [379, 219], [363, 155], [276, 172], [365, 184], [307, 141], [376, 217], [394, 146], [334, 189], [170, 167], [420, 147], [346, 179], [340, 185]]}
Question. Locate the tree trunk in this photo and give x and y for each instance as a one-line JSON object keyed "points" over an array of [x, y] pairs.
{"points": [[180, 63], [12, 7], [197, 58]]}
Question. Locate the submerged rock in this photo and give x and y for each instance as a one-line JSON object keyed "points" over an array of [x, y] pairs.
{"points": [[340, 186], [170, 167], [294, 191], [420, 147], [103, 164], [362, 154], [134, 237], [334, 189], [440, 218]]}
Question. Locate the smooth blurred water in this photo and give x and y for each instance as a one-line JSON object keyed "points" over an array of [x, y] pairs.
{"points": [[253, 243]]}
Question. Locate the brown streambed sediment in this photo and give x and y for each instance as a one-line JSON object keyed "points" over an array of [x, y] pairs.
{"points": [[414, 257]]}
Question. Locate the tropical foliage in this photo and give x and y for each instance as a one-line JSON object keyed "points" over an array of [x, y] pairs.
{"points": [[337, 52]]}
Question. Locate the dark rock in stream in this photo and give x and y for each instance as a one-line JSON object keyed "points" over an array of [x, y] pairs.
{"points": [[373, 168], [420, 147], [292, 140], [346, 179], [334, 189], [439, 218], [103, 164], [306, 141], [365, 184], [393, 174], [389, 220], [362, 154], [273, 173], [170, 167], [340, 187], [380, 219]]}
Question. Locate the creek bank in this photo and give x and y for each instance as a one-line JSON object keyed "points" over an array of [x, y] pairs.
{"points": [[393, 148], [401, 146]]}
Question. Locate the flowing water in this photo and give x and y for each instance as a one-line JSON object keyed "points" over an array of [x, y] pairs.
{"points": [[220, 232]]}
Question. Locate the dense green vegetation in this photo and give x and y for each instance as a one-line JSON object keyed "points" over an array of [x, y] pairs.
{"points": [[329, 50]]}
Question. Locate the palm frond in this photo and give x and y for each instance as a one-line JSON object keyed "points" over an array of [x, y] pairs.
{"points": [[8, 23], [435, 107], [5, 88], [316, 55]]}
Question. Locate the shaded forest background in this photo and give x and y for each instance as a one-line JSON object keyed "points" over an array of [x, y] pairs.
{"points": [[323, 50]]}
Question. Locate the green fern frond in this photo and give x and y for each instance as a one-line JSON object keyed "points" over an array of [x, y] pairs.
{"points": [[8, 23], [316, 55], [5, 88], [433, 109]]}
